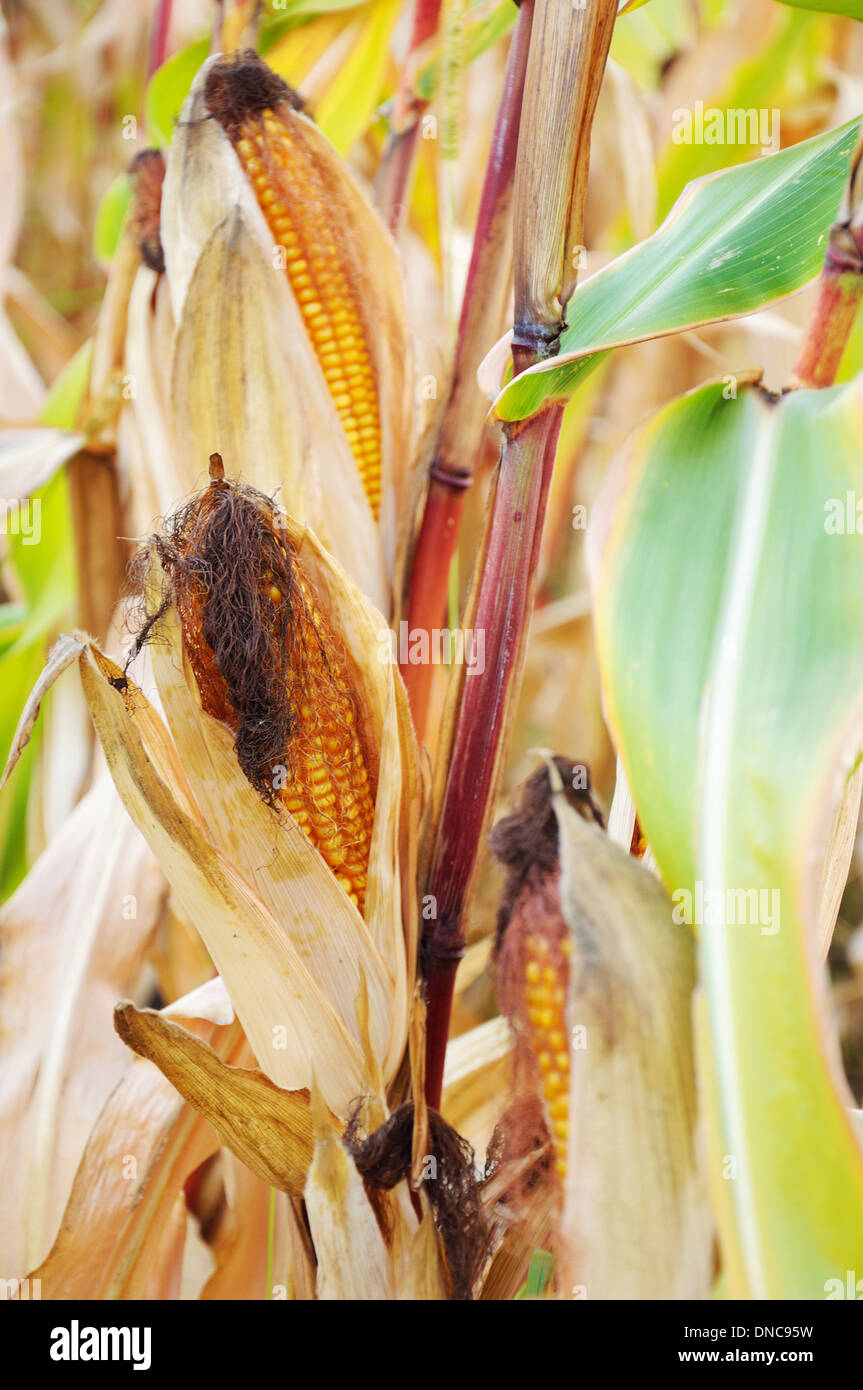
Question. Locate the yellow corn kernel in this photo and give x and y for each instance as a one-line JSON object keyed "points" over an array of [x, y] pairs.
{"points": [[545, 975], [294, 200], [340, 807]]}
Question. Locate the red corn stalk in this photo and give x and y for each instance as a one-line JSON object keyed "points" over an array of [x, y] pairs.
{"points": [[566, 63], [461, 429], [394, 174], [840, 289], [159, 36]]}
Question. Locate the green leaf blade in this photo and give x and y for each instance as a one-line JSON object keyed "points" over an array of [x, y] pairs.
{"points": [[733, 243], [712, 562]]}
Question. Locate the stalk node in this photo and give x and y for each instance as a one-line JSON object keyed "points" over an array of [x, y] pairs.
{"points": [[537, 340], [457, 479]]}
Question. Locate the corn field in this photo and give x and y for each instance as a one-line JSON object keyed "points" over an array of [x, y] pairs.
{"points": [[431, 651]]}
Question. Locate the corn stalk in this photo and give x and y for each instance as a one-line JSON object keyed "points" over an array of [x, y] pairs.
{"points": [[394, 174], [840, 289], [566, 63], [461, 430]]}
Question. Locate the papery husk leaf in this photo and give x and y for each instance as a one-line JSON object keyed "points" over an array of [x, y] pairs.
{"points": [[279, 861], [124, 1227], [268, 1128], [421, 1274], [636, 1221], [238, 322], [209, 1001], [270, 985], [476, 1079], [242, 383], [155, 473], [239, 1244], [353, 1260], [72, 937]]}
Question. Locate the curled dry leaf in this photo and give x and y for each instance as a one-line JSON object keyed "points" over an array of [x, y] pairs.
{"points": [[597, 981], [64, 651], [269, 1129]]}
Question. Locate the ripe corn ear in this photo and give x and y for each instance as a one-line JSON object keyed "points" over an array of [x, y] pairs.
{"points": [[269, 665], [292, 194]]}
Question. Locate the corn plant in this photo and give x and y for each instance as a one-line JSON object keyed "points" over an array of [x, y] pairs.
{"points": [[432, 697]]}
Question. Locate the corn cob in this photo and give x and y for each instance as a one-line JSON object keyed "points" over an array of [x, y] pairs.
{"points": [[293, 679], [546, 972], [297, 202], [534, 944], [331, 799]]}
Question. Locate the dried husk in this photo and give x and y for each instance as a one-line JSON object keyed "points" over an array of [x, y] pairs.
{"points": [[124, 1227], [636, 1221], [287, 941], [72, 937]]}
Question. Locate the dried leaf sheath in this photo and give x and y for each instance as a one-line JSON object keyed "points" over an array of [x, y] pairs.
{"points": [[258, 113], [269, 666]]}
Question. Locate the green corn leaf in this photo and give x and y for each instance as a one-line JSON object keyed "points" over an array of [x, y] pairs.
{"points": [[733, 243], [852, 8], [45, 572], [110, 218], [725, 551], [539, 1275], [168, 89]]}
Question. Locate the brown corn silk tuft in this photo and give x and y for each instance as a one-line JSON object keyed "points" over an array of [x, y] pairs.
{"points": [[269, 666], [292, 189], [147, 172], [533, 947], [384, 1158]]}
